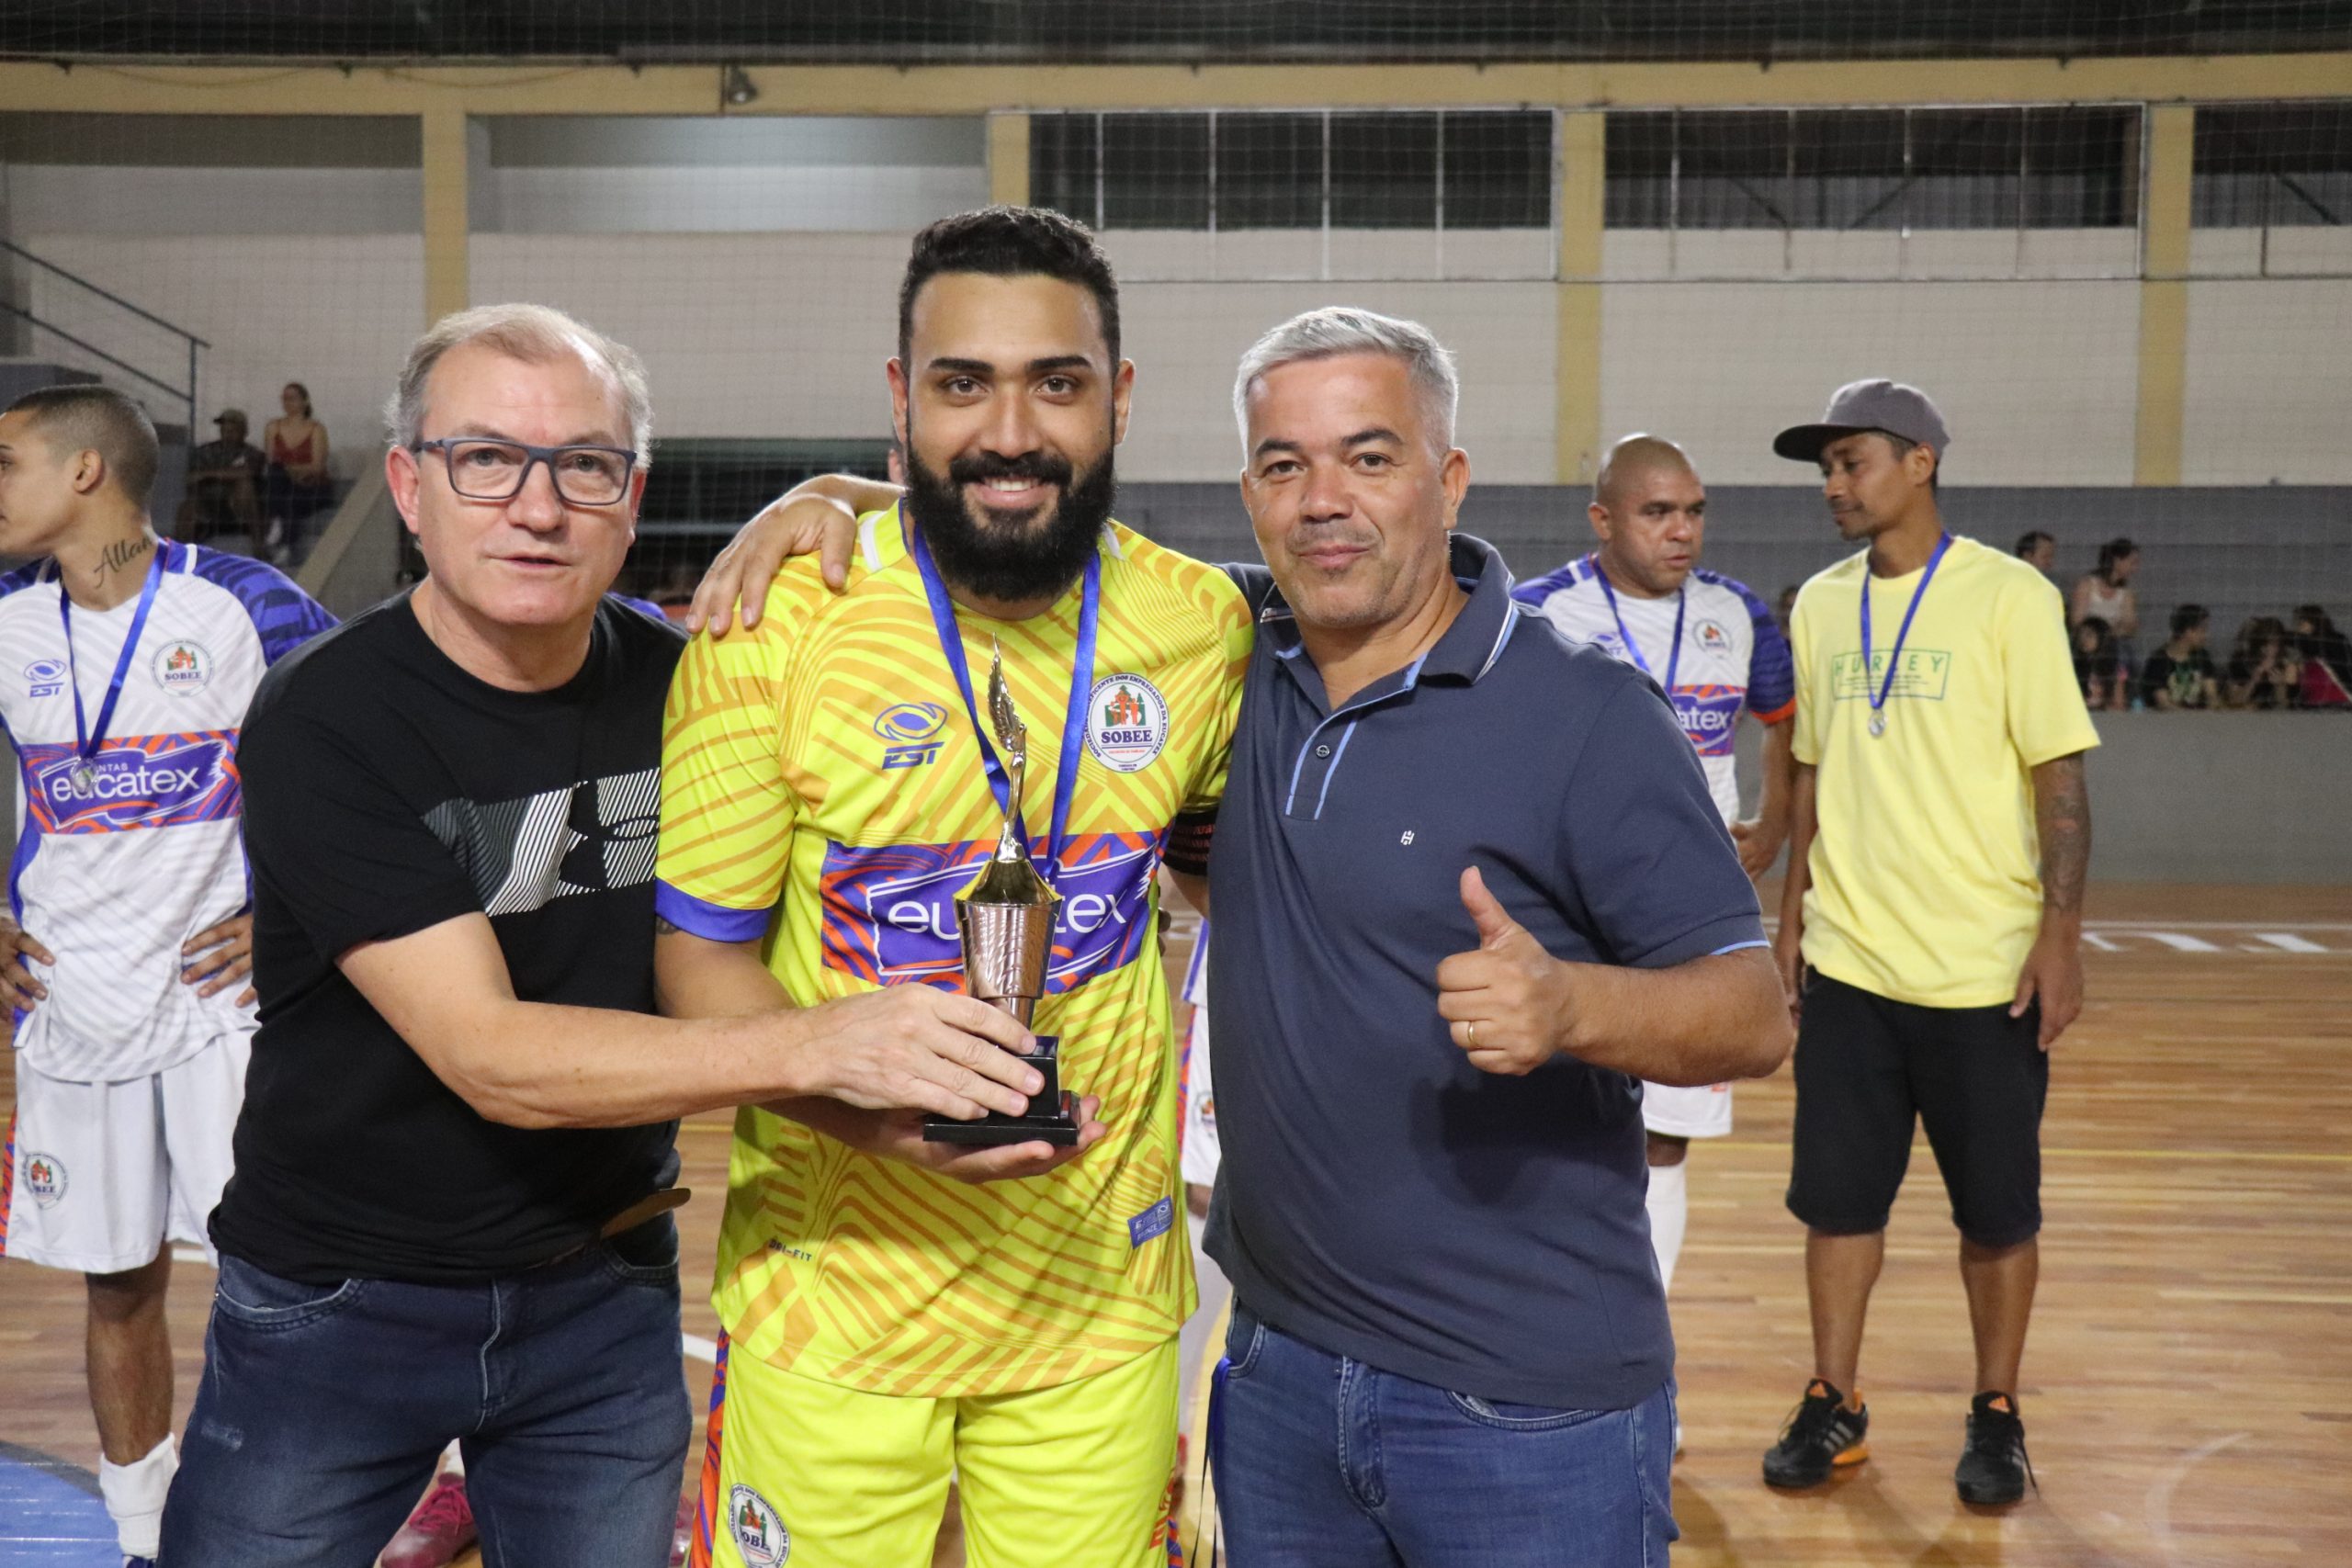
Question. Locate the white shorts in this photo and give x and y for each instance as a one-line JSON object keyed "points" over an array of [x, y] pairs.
{"points": [[1198, 1152], [1700, 1113], [100, 1176]]}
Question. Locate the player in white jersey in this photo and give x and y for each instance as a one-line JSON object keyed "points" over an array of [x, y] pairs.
{"points": [[125, 664], [1713, 647]]}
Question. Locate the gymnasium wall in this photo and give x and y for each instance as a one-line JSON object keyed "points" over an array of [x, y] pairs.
{"points": [[2239, 550], [752, 264], [2221, 798], [782, 334]]}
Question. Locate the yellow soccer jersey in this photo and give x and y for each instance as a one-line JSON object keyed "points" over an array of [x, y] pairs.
{"points": [[824, 789]]}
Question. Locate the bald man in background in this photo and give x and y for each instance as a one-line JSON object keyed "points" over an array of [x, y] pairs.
{"points": [[1715, 649]]}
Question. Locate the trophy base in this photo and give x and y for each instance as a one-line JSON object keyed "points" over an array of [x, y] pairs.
{"points": [[1058, 1125], [1052, 1117]]}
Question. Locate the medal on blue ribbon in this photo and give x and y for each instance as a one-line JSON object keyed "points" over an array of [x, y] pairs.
{"points": [[87, 739], [1877, 694]]}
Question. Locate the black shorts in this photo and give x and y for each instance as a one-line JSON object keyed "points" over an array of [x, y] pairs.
{"points": [[1868, 1067]]}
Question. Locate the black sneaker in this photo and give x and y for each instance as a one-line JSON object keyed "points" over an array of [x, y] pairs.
{"points": [[1992, 1467], [1822, 1435]]}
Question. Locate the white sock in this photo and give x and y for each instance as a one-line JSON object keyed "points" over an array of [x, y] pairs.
{"points": [[453, 1462], [134, 1495], [1670, 1206]]}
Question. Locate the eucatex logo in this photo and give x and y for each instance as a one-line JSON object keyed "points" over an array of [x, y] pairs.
{"points": [[1710, 717], [147, 783], [890, 910], [911, 731]]}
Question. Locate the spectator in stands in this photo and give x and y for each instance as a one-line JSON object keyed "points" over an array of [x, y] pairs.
{"points": [[2328, 659], [224, 484], [2106, 592], [2266, 669], [2180, 673], [295, 487], [2038, 550], [2099, 670]]}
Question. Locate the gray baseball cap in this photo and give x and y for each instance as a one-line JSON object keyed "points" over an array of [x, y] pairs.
{"points": [[1858, 406]]}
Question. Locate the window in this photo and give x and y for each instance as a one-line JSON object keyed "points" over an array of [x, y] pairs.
{"points": [[1497, 171], [1155, 171], [2273, 165], [1461, 169], [1270, 170], [1065, 165], [1383, 171], [1859, 169]]}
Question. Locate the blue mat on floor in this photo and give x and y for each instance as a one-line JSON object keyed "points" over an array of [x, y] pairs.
{"points": [[51, 1516]]}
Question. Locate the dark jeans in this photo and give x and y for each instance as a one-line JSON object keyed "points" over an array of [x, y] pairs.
{"points": [[1325, 1462], [323, 1409]]}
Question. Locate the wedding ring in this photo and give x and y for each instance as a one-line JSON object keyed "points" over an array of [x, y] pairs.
{"points": [[1470, 1036]]}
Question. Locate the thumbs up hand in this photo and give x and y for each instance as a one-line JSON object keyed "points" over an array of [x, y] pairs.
{"points": [[1508, 1000]]}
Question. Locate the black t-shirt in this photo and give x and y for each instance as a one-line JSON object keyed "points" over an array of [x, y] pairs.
{"points": [[2183, 677], [387, 791]]}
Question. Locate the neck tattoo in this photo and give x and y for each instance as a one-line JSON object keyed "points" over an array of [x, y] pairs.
{"points": [[121, 553]]}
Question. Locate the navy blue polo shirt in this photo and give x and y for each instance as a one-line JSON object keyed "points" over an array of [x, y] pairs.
{"points": [[1379, 1197]]}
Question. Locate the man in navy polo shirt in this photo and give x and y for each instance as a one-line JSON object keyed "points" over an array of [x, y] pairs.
{"points": [[1470, 887]]}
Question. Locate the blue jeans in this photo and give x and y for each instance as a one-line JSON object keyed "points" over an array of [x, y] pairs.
{"points": [[1325, 1462], [323, 1409]]}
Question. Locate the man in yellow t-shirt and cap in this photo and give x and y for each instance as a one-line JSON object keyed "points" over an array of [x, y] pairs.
{"points": [[1931, 922]]}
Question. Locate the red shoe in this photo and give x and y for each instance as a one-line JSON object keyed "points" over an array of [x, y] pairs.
{"points": [[441, 1527], [683, 1536]]}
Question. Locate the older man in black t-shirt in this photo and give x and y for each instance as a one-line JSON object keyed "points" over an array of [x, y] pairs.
{"points": [[449, 1212]]}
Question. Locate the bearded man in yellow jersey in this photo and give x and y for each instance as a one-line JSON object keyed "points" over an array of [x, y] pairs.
{"points": [[896, 1313], [1931, 923]]}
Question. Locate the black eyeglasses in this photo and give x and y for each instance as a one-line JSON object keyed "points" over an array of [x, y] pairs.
{"points": [[483, 469]]}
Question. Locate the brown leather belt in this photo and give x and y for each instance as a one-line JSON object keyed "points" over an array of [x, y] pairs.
{"points": [[646, 1208]]}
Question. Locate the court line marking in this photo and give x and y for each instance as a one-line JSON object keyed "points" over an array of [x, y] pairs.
{"points": [[2278, 1156], [2270, 1298], [701, 1350], [2220, 925], [2289, 940], [2157, 1510]]}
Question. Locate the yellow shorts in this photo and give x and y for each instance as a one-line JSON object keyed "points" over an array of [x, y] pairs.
{"points": [[800, 1472]]}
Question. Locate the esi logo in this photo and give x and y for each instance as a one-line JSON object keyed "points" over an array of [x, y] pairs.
{"points": [[44, 678], [911, 731]]}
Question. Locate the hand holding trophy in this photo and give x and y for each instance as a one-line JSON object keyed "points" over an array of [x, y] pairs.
{"points": [[1006, 920]]}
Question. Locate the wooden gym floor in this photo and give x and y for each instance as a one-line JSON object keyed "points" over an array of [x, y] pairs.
{"points": [[2188, 1382]]}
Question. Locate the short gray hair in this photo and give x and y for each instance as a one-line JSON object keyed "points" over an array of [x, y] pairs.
{"points": [[535, 334], [1343, 329]]}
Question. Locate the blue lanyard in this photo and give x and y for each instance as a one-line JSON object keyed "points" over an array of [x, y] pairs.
{"points": [[1673, 657], [85, 741], [1894, 655], [1081, 690]]}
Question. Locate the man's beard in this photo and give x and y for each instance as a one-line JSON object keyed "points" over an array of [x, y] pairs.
{"points": [[1012, 560]]}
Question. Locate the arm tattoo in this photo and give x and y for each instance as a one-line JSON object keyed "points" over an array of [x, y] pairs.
{"points": [[2062, 815]]}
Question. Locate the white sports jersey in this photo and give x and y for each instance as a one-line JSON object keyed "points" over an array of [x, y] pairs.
{"points": [[119, 862], [1733, 655], [1198, 1152]]}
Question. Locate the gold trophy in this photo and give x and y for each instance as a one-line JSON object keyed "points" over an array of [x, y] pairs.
{"points": [[1006, 920]]}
